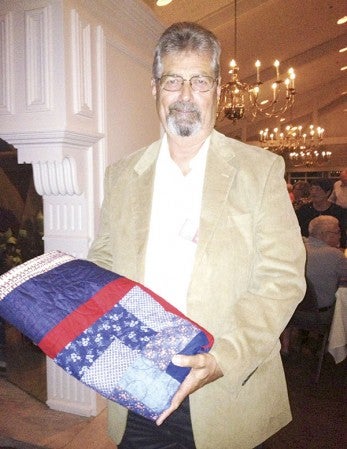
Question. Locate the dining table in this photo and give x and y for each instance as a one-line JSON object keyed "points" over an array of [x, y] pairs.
{"points": [[337, 345]]}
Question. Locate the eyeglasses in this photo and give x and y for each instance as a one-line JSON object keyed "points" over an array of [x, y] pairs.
{"points": [[199, 83]]}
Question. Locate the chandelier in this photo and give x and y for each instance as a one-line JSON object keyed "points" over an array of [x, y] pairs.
{"points": [[235, 93], [300, 148]]}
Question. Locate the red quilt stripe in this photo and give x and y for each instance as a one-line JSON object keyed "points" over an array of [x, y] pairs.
{"points": [[84, 316]]}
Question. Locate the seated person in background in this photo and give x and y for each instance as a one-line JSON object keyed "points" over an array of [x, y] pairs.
{"points": [[325, 266], [301, 193], [339, 195], [320, 191]]}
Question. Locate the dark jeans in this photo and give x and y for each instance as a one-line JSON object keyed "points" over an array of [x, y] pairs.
{"points": [[175, 432], [2, 333], [2, 346]]}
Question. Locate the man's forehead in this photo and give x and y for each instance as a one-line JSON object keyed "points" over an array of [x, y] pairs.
{"points": [[187, 61]]}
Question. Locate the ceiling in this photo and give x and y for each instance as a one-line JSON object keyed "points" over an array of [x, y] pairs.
{"points": [[299, 33]]}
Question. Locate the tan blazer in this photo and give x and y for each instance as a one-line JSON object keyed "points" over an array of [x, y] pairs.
{"points": [[247, 279]]}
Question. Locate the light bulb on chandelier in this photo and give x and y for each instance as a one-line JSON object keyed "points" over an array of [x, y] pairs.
{"points": [[300, 148], [236, 95]]}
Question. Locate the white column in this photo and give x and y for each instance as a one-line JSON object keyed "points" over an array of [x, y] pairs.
{"points": [[53, 110], [58, 59]]}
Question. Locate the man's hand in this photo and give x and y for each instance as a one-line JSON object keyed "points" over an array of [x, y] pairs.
{"points": [[204, 369]]}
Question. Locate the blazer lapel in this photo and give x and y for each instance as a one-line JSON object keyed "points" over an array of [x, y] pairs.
{"points": [[144, 172], [219, 177]]}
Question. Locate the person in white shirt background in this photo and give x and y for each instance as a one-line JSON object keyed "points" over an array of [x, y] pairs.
{"points": [[339, 194]]}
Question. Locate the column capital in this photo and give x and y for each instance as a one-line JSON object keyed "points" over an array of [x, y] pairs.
{"points": [[54, 156]]}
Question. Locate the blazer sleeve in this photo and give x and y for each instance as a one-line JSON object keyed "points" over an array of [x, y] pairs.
{"points": [[100, 250]]}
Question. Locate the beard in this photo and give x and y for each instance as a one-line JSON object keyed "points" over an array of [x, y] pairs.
{"points": [[184, 119]]}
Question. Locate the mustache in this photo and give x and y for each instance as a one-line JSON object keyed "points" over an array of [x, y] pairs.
{"points": [[183, 106]]}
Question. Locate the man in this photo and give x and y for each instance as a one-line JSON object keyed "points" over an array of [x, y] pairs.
{"points": [[339, 195], [206, 222], [326, 264], [320, 191]]}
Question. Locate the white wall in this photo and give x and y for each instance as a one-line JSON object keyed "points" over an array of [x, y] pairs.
{"points": [[132, 120]]}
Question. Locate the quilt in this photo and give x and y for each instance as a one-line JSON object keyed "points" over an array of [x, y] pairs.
{"points": [[109, 332]]}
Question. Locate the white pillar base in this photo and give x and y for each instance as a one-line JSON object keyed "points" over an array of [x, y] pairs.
{"points": [[67, 394]]}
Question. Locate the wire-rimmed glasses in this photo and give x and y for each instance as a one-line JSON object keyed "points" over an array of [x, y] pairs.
{"points": [[198, 83]]}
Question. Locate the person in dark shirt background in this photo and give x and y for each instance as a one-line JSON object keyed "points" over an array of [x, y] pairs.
{"points": [[320, 191]]}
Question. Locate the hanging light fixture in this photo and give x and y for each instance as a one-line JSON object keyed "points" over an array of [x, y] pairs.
{"points": [[233, 93], [232, 98], [283, 93], [236, 95], [312, 151], [300, 148]]}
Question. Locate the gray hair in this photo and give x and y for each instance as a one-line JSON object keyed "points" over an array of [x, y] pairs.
{"points": [[321, 224], [186, 36]]}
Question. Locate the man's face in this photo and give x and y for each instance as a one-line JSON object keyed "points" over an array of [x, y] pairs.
{"points": [[186, 112], [332, 236], [318, 194]]}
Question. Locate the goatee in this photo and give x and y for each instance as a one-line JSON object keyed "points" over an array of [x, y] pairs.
{"points": [[184, 118]]}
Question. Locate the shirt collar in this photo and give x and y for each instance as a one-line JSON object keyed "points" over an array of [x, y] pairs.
{"points": [[197, 162], [314, 241]]}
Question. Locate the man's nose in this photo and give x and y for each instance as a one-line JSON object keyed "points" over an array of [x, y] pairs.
{"points": [[186, 90]]}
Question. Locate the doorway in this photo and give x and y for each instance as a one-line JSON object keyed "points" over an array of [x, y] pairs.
{"points": [[21, 239]]}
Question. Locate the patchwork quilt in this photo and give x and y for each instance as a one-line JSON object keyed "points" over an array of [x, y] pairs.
{"points": [[109, 332]]}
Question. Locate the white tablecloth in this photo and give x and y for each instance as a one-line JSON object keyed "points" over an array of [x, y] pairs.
{"points": [[337, 345]]}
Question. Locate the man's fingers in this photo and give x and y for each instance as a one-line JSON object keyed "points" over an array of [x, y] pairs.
{"points": [[163, 417], [178, 398], [174, 406], [203, 371], [195, 361]]}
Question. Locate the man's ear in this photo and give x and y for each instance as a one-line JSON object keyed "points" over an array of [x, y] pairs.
{"points": [[154, 87], [219, 87]]}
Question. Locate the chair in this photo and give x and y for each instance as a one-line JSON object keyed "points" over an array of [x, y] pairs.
{"points": [[308, 318]]}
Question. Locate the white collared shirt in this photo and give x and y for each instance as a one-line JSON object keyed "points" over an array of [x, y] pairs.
{"points": [[174, 225]]}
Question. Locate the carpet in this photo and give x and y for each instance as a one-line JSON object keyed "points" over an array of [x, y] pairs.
{"points": [[9, 443]]}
